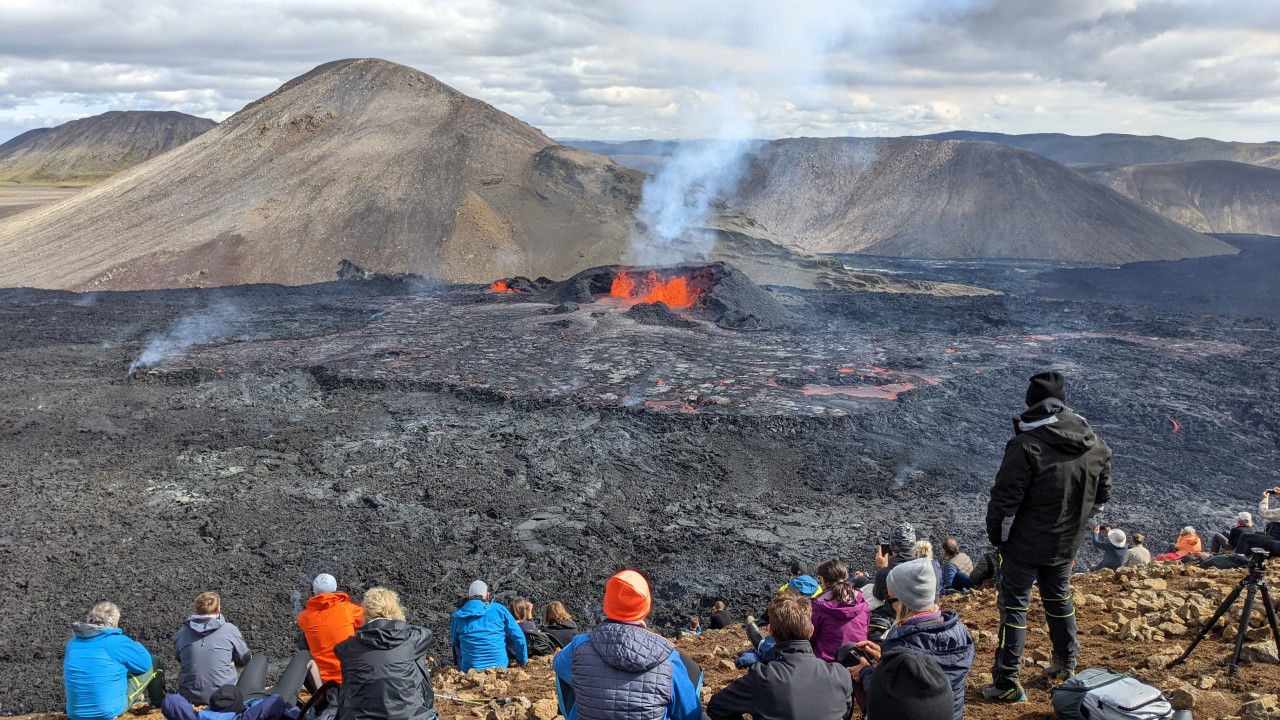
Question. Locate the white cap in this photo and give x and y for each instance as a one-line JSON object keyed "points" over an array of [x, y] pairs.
{"points": [[1188, 530], [1117, 538], [324, 583], [478, 589], [1244, 518]]}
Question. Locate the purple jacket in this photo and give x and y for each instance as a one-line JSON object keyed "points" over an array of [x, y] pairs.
{"points": [[835, 624]]}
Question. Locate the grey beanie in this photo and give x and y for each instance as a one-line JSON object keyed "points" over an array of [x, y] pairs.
{"points": [[903, 540], [915, 584]]}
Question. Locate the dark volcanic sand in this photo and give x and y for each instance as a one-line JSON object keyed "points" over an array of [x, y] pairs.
{"points": [[420, 441]]}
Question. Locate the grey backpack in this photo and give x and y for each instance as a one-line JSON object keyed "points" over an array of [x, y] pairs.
{"points": [[1097, 694]]}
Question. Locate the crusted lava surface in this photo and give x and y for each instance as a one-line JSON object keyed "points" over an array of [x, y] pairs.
{"points": [[424, 437]]}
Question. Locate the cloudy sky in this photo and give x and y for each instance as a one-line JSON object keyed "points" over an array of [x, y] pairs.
{"points": [[624, 69]]}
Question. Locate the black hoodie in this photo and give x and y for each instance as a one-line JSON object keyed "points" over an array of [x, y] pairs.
{"points": [[1055, 471], [383, 677]]}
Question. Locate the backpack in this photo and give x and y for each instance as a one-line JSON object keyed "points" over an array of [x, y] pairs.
{"points": [[1273, 529], [540, 643], [1097, 694], [323, 704]]}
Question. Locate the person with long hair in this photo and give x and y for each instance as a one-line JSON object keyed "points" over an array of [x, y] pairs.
{"points": [[840, 613], [384, 676]]}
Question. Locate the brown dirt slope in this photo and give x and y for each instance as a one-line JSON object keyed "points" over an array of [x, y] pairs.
{"points": [[91, 149], [1206, 196], [372, 162], [919, 198]]}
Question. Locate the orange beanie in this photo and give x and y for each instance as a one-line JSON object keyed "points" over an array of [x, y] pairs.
{"points": [[626, 597]]}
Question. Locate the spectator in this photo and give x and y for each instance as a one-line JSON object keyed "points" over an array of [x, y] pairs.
{"points": [[1266, 512], [956, 568], [210, 649], [795, 686], [1187, 547], [621, 669], [762, 644], [1114, 547], [986, 573], [558, 623], [104, 671], [485, 634], [910, 685], [924, 549], [1055, 475], [247, 699], [902, 544], [383, 672], [1139, 555], [522, 610], [801, 581], [720, 617], [694, 627], [840, 614], [921, 626], [951, 552], [1229, 541], [329, 618]]}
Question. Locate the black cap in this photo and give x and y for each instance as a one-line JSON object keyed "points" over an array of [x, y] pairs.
{"points": [[227, 699], [1046, 385], [799, 567], [910, 684]]}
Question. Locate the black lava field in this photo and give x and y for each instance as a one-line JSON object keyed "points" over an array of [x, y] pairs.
{"points": [[421, 437]]}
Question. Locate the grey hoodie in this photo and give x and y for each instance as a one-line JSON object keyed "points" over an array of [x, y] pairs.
{"points": [[209, 648]]}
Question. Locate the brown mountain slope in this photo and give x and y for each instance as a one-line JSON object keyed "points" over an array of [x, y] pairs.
{"points": [[373, 162], [90, 149], [951, 199], [1122, 149], [1206, 196]]}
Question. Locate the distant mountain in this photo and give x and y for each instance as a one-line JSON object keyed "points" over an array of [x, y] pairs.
{"points": [[1119, 149], [951, 199], [379, 164], [91, 149], [1206, 196]]}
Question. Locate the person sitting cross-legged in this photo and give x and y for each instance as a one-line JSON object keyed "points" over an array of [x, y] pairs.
{"points": [[484, 634], [105, 671], [797, 685], [210, 649]]}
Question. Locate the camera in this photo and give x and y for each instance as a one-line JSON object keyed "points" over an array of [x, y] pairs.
{"points": [[849, 655]]}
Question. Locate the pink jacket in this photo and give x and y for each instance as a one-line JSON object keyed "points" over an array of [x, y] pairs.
{"points": [[835, 624]]}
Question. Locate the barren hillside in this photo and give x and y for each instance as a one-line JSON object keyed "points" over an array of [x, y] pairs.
{"points": [[919, 198], [1206, 196], [1119, 148], [86, 151]]}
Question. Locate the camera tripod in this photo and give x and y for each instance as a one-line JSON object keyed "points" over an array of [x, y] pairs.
{"points": [[1256, 581]]}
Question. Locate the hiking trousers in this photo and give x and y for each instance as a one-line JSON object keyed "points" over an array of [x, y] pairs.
{"points": [[1016, 580]]}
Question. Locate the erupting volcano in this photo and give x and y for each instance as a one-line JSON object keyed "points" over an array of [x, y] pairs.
{"points": [[676, 292]]}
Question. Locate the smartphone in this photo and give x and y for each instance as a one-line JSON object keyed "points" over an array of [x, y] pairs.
{"points": [[884, 548]]}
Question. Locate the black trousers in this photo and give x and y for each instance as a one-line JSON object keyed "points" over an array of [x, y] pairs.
{"points": [[1016, 580], [253, 679]]}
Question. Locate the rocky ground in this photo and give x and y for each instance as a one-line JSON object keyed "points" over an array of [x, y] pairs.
{"points": [[422, 437]]}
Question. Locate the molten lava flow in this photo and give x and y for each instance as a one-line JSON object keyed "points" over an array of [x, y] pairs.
{"points": [[1177, 426], [501, 286], [676, 292]]}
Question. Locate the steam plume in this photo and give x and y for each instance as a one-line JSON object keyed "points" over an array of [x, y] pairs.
{"points": [[192, 329]]}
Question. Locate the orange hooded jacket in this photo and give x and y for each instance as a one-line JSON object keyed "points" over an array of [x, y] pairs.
{"points": [[328, 620], [1187, 544]]}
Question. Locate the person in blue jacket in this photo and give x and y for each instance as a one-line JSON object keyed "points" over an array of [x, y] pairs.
{"points": [[621, 670], [485, 634], [104, 671]]}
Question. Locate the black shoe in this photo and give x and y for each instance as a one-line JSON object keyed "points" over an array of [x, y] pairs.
{"points": [[995, 693]]}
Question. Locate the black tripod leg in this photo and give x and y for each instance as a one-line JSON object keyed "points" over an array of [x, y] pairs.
{"points": [[1245, 615], [1208, 627], [1271, 613]]}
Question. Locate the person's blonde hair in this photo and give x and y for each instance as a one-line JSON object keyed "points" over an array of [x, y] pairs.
{"points": [[718, 607], [922, 549], [104, 613], [208, 603], [555, 613], [380, 603], [522, 608], [790, 617]]}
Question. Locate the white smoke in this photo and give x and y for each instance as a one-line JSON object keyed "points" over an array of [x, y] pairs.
{"points": [[195, 328]]}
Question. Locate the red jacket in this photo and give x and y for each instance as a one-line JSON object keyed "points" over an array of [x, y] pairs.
{"points": [[328, 620]]}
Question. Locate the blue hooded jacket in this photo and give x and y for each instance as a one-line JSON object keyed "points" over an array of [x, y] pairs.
{"points": [[803, 584], [96, 670], [621, 671], [481, 635], [946, 640]]}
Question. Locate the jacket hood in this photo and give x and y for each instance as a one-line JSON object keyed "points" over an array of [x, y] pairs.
{"points": [[205, 624], [383, 634], [1055, 425], [84, 630], [629, 648], [829, 606], [472, 608], [804, 584], [327, 600], [563, 625], [948, 623]]}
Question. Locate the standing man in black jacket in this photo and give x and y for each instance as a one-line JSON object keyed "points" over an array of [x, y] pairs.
{"points": [[1056, 474], [796, 686]]}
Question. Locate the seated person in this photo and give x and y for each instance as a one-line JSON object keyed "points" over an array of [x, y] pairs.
{"points": [[210, 649], [485, 634], [1114, 547], [920, 626], [1188, 547], [522, 611], [986, 572], [329, 618], [622, 664], [558, 623], [694, 627], [105, 671], [1228, 541], [910, 684], [840, 614], [383, 672], [720, 617], [797, 685], [1139, 555], [247, 699]]}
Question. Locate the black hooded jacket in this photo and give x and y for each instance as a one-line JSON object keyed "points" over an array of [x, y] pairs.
{"points": [[383, 677], [796, 686], [1055, 471]]}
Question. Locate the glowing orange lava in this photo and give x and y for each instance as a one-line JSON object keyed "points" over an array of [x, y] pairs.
{"points": [[676, 292], [501, 286], [1177, 426]]}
